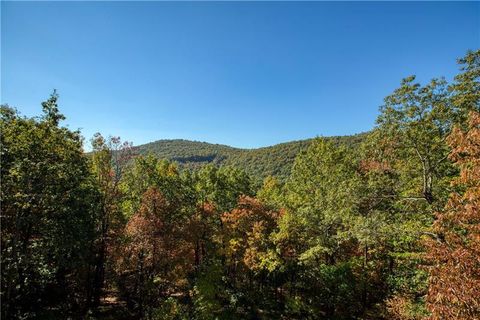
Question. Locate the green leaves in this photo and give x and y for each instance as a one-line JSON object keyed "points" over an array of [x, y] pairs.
{"points": [[50, 109], [340, 238], [466, 88], [48, 203], [321, 196]]}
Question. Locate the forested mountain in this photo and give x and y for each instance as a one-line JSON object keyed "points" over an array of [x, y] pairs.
{"points": [[276, 160], [380, 226]]}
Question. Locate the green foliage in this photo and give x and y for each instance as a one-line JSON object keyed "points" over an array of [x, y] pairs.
{"points": [[271, 192], [419, 119], [48, 204], [207, 292], [322, 194], [466, 87], [149, 171], [222, 186], [259, 163], [170, 309], [335, 231]]}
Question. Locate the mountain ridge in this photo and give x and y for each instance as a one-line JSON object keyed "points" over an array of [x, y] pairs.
{"points": [[274, 160]]}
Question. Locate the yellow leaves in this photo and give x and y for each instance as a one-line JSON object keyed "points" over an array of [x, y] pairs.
{"points": [[312, 255], [247, 230], [403, 308], [234, 245]]}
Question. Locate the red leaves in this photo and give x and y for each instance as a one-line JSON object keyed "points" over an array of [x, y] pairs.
{"points": [[155, 243]]}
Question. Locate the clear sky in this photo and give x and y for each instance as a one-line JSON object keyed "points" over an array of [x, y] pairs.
{"points": [[244, 74]]}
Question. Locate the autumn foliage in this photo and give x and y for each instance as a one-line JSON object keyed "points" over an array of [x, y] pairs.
{"points": [[389, 230], [155, 256], [454, 291], [247, 231]]}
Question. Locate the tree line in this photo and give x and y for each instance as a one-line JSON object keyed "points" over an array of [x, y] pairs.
{"points": [[389, 229], [259, 163]]}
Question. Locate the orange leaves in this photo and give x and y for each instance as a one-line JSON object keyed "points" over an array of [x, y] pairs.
{"points": [[454, 283], [146, 230], [369, 165], [466, 150], [155, 245], [248, 211], [153, 204], [247, 230]]}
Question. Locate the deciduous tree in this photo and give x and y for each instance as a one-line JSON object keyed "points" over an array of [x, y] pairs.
{"points": [[454, 282]]}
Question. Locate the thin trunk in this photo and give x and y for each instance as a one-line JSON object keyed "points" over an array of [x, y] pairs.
{"points": [[99, 277], [365, 293], [10, 292]]}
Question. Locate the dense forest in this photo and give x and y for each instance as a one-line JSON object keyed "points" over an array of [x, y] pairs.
{"points": [[258, 163], [385, 225]]}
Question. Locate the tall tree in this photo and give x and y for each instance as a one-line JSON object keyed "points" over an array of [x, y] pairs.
{"points": [[47, 214], [419, 119], [314, 237], [454, 283], [109, 160], [466, 87], [321, 197], [156, 257]]}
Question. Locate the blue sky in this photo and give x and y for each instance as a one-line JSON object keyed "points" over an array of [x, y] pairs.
{"points": [[244, 74]]}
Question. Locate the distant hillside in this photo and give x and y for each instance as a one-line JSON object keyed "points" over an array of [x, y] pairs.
{"points": [[275, 160]]}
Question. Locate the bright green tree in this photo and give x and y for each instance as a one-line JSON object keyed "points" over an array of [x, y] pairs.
{"points": [[314, 237], [321, 199], [466, 87]]}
